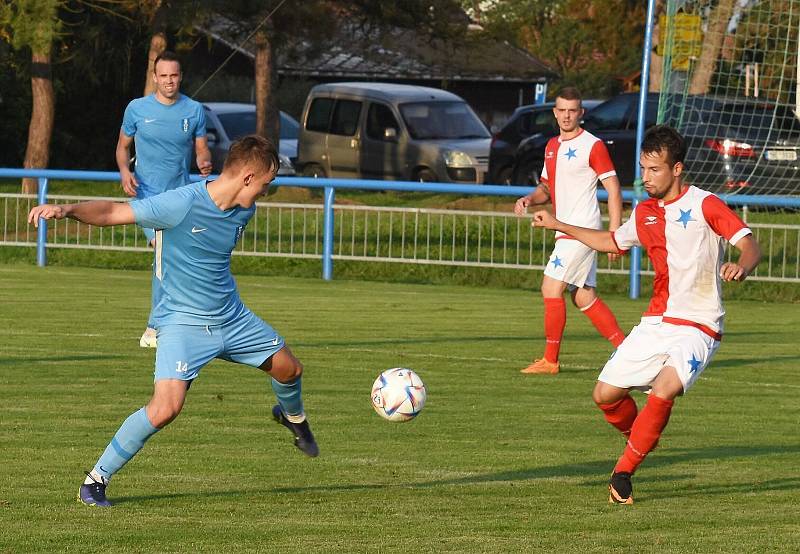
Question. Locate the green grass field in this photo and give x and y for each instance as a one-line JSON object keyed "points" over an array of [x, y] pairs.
{"points": [[497, 462]]}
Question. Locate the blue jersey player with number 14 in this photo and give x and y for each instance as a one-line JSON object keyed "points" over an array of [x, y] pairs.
{"points": [[200, 315]]}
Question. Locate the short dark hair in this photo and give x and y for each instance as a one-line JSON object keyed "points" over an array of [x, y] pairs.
{"points": [[253, 149], [167, 56], [570, 93], [663, 138]]}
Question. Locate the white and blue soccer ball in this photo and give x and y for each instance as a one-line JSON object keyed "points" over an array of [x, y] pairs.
{"points": [[398, 394]]}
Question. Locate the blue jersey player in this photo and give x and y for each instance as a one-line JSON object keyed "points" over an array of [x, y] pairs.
{"points": [[200, 315], [165, 127]]}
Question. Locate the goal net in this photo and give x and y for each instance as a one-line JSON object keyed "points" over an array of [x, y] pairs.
{"points": [[729, 83]]}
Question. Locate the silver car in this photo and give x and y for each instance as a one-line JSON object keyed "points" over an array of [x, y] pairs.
{"points": [[229, 121], [390, 131]]}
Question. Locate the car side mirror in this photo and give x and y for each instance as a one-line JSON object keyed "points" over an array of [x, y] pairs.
{"points": [[211, 138], [390, 134]]}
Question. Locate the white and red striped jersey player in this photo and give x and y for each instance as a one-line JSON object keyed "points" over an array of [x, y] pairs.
{"points": [[572, 168], [682, 326], [684, 238]]}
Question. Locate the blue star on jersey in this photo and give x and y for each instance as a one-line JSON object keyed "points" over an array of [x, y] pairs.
{"points": [[556, 261], [571, 153], [686, 217], [695, 364]]}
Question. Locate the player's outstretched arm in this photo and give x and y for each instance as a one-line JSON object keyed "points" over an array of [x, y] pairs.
{"points": [[601, 241], [101, 213], [750, 255]]}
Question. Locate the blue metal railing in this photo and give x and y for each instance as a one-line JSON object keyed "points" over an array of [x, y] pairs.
{"points": [[330, 186]]}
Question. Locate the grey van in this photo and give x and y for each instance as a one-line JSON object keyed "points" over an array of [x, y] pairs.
{"points": [[389, 131]]}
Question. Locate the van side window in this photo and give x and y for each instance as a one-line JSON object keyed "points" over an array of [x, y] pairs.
{"points": [[319, 115], [380, 118], [345, 117]]}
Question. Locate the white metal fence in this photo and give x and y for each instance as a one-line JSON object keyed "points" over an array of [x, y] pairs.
{"points": [[379, 234]]}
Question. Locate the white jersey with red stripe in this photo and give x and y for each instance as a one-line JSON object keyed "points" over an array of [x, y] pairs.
{"points": [[571, 170], [684, 241]]}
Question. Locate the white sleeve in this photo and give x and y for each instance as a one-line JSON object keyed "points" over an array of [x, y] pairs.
{"points": [[626, 236]]}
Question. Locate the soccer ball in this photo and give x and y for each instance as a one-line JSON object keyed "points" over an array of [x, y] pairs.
{"points": [[398, 394]]}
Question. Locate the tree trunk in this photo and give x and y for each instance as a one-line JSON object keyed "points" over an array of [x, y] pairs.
{"points": [[656, 61], [267, 120], [158, 43], [712, 43], [40, 131]]}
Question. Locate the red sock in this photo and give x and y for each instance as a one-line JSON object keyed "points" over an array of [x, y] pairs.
{"points": [[555, 319], [604, 321], [621, 414], [645, 433]]}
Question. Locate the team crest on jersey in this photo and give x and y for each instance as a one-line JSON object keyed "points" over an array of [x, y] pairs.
{"points": [[185, 125]]}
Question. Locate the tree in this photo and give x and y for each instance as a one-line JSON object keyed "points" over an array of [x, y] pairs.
{"points": [[34, 24], [712, 43], [589, 42], [155, 12]]}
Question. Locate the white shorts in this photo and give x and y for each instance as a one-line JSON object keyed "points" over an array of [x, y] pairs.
{"points": [[650, 346], [574, 263]]}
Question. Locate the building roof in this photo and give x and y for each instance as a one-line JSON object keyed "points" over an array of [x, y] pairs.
{"points": [[394, 54]]}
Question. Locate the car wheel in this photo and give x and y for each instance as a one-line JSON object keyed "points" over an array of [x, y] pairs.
{"points": [[314, 170], [425, 176], [526, 175], [505, 176]]}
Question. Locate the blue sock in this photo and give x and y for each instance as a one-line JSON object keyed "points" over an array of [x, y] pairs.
{"points": [[130, 438], [289, 397]]}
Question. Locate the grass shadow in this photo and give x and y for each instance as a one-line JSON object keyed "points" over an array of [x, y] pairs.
{"points": [[595, 472]]}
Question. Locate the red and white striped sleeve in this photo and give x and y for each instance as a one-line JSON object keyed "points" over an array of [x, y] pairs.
{"points": [[723, 220], [627, 236], [600, 161]]}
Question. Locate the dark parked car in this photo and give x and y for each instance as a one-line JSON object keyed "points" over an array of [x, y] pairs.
{"points": [[734, 145], [524, 122], [230, 121], [613, 121]]}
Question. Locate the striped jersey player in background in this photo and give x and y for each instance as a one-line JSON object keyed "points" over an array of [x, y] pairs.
{"points": [[574, 162], [684, 230]]}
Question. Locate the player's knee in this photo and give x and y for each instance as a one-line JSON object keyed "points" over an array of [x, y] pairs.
{"points": [[597, 397], [287, 369], [604, 394], [295, 369], [163, 413]]}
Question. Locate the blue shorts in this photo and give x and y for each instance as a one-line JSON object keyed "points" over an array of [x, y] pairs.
{"points": [[183, 350]]}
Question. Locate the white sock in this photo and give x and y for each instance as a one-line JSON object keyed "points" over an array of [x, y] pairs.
{"points": [[95, 477], [296, 418]]}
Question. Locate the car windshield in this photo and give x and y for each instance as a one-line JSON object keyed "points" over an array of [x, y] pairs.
{"points": [[442, 120], [239, 124]]}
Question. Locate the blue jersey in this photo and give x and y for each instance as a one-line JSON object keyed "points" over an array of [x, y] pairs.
{"points": [[193, 255], [164, 138]]}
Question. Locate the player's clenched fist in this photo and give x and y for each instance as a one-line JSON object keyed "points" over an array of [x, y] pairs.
{"points": [[543, 218], [46, 211], [732, 272], [521, 206]]}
